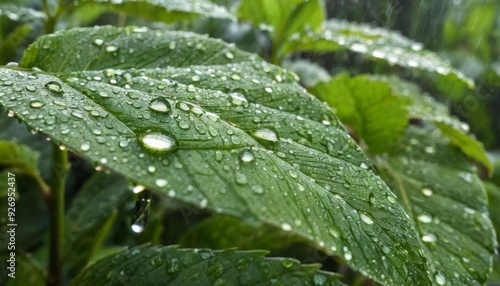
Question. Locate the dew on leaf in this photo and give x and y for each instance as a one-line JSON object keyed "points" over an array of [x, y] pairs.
{"points": [[247, 156], [429, 237], [98, 42], [427, 192], [54, 86], [258, 189], [156, 141], [286, 227], [440, 278], [160, 105], [366, 219], [238, 98], [36, 104], [266, 134], [111, 49], [425, 218], [161, 182], [85, 146]]}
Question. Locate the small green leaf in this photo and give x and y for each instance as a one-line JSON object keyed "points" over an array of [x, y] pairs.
{"points": [[21, 14], [89, 217], [19, 158], [206, 124], [220, 232], [173, 266], [377, 116], [443, 195], [163, 10], [376, 42]]}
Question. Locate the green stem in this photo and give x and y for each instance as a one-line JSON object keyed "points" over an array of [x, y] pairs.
{"points": [[52, 18], [276, 58], [59, 171]]}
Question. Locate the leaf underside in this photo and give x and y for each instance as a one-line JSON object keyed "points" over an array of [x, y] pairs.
{"points": [[199, 121]]}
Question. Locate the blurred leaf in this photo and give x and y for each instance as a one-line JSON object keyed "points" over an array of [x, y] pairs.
{"points": [[19, 158], [219, 232], [493, 192], [163, 10], [28, 272], [20, 14], [89, 217], [232, 134], [282, 18], [424, 107], [376, 42], [445, 198], [310, 73], [140, 265], [377, 115]]}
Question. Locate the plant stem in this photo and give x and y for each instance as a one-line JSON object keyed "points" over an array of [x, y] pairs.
{"points": [[59, 171], [52, 18]]}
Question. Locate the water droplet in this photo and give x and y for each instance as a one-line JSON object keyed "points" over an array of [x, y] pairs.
{"points": [[161, 182], [139, 188], [36, 104], [171, 193], [268, 89], [427, 192], [238, 99], [391, 199], [430, 150], [111, 49], [466, 177], [266, 134], [203, 203], [359, 48], [172, 45], [85, 146], [98, 42], [293, 174], [151, 169], [241, 178], [429, 237], [425, 218], [366, 219], [286, 227], [386, 249], [247, 156], [160, 104], [287, 263], [173, 266], [54, 86], [258, 189], [440, 278], [347, 254], [140, 216], [363, 166], [159, 142], [229, 55]]}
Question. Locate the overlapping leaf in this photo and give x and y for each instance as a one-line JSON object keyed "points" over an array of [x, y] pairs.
{"points": [[163, 10], [21, 14], [201, 122], [442, 193], [376, 42], [89, 217], [174, 266]]}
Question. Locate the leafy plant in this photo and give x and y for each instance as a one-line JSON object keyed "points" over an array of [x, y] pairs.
{"points": [[222, 145]]}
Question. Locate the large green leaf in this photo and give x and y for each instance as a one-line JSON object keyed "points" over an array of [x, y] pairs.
{"points": [[377, 115], [174, 266], [197, 120], [378, 43], [89, 217], [446, 200], [163, 10]]}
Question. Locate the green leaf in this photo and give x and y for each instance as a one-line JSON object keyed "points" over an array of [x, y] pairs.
{"points": [[19, 158], [28, 272], [376, 114], [163, 10], [445, 198], [376, 42], [493, 192], [424, 107], [282, 18], [211, 126], [21, 14], [220, 232], [173, 266], [89, 217], [310, 73]]}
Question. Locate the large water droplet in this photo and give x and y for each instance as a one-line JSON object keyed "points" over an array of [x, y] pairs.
{"points": [[247, 156], [54, 86], [429, 237], [266, 134], [238, 99], [440, 278], [156, 141], [426, 192], [286, 227], [160, 105], [366, 219], [36, 104], [85, 146], [425, 218]]}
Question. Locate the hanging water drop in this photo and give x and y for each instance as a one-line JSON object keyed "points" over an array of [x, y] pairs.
{"points": [[140, 216]]}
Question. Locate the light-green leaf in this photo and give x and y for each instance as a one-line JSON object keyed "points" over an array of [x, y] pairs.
{"points": [[163, 10], [376, 42], [424, 107], [89, 217], [443, 195], [376, 114], [174, 266], [201, 122], [310, 73]]}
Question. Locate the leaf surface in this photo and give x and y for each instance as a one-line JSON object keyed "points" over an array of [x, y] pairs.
{"points": [[375, 42], [163, 10], [443, 195], [206, 124], [20, 158], [174, 266]]}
